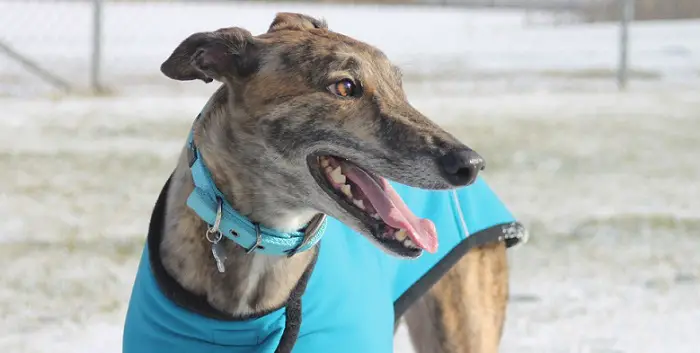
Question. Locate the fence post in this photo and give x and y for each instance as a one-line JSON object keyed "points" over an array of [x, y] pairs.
{"points": [[96, 59], [623, 65]]}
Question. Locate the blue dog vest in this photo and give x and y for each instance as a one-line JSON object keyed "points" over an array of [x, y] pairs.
{"points": [[353, 296]]}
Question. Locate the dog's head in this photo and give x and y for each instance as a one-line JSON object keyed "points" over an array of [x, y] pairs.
{"points": [[335, 122]]}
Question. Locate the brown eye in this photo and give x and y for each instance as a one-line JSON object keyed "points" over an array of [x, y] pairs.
{"points": [[343, 88]]}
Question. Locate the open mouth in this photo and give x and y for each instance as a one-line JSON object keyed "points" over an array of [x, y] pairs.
{"points": [[372, 200]]}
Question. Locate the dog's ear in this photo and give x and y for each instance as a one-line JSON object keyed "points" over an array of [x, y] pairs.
{"points": [[228, 53], [295, 21]]}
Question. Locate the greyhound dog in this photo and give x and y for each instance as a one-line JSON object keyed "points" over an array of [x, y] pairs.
{"points": [[309, 123]]}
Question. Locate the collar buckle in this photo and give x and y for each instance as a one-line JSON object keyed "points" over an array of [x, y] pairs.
{"points": [[258, 240]]}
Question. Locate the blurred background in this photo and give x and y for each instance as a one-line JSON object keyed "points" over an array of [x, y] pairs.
{"points": [[587, 112]]}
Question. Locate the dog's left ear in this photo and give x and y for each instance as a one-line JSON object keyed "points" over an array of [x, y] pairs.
{"points": [[228, 53], [295, 21]]}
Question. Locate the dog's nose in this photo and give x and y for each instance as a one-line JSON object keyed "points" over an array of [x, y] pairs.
{"points": [[461, 166]]}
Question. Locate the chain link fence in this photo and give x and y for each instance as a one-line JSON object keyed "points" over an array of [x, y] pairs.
{"points": [[111, 45], [608, 10], [84, 45], [43, 43]]}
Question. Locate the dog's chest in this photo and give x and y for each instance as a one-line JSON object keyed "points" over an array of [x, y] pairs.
{"points": [[348, 304]]}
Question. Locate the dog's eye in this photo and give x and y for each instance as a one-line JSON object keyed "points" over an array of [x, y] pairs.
{"points": [[343, 88]]}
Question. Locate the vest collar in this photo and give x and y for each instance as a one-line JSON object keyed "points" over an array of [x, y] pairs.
{"points": [[211, 206]]}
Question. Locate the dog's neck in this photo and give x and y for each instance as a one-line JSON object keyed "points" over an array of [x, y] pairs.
{"points": [[242, 170]]}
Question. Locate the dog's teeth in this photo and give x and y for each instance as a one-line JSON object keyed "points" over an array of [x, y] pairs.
{"points": [[376, 216], [359, 203], [345, 189], [324, 162], [337, 176], [409, 243], [328, 170], [400, 235]]}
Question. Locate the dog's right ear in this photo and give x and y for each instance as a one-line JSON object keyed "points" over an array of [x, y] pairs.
{"points": [[228, 53]]}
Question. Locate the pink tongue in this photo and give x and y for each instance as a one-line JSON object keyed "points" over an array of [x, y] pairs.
{"points": [[392, 209]]}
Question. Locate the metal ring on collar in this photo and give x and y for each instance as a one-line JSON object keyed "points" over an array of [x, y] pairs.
{"points": [[214, 229], [216, 235], [309, 232]]}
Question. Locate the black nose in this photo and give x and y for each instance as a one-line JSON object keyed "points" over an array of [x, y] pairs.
{"points": [[461, 167]]}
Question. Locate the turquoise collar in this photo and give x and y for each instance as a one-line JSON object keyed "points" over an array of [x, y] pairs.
{"points": [[210, 204]]}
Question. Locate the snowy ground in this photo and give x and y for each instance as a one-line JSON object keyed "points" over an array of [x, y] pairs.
{"points": [[606, 181]]}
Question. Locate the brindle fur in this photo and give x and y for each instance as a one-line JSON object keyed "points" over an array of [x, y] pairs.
{"points": [[465, 310], [255, 133]]}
